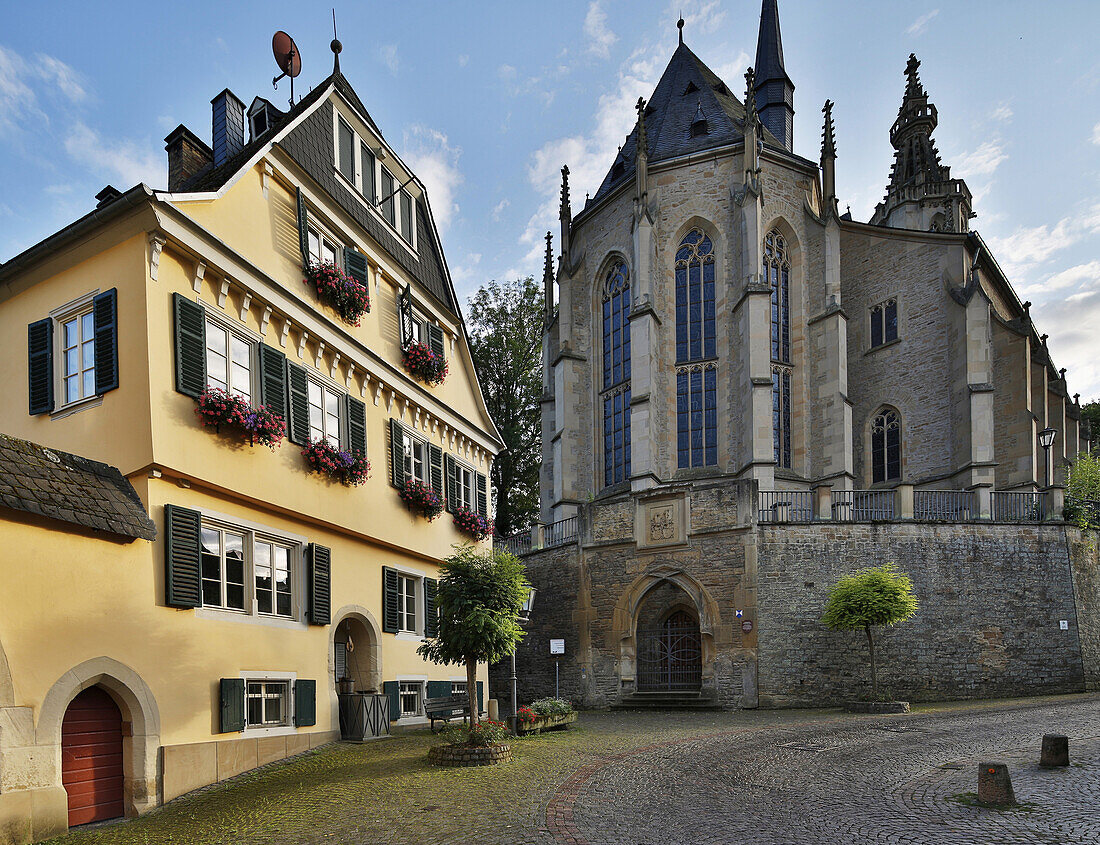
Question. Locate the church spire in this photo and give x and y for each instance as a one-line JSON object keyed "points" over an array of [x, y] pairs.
{"points": [[774, 90], [752, 130], [565, 214], [548, 278], [921, 194], [828, 158], [641, 159]]}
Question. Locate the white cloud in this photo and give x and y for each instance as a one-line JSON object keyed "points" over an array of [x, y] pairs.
{"points": [[24, 82], [1021, 252], [1096, 134], [387, 55], [124, 161], [599, 37], [466, 274], [506, 72], [982, 161], [920, 25], [498, 209], [701, 17], [58, 73], [1001, 113], [435, 162], [1074, 277], [733, 73], [463, 60]]}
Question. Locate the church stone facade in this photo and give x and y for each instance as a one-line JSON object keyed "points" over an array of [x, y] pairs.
{"points": [[748, 394]]}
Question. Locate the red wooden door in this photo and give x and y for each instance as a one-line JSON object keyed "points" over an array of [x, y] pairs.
{"points": [[91, 757]]}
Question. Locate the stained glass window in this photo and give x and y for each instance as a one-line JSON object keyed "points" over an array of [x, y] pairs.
{"points": [[886, 446], [616, 374], [695, 335]]}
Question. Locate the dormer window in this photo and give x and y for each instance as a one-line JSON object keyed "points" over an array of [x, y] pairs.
{"points": [[258, 122], [618, 169], [691, 89], [699, 125]]}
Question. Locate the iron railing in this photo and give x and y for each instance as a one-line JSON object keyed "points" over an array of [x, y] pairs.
{"points": [[945, 505], [561, 532], [1018, 506], [786, 506], [863, 505], [519, 543]]}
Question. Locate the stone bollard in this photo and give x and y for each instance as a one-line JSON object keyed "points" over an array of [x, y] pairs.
{"points": [[995, 785], [494, 710], [1055, 751]]}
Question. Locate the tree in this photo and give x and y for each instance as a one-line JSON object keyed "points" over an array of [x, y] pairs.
{"points": [[479, 598], [1083, 491], [505, 322], [1091, 412], [878, 595]]}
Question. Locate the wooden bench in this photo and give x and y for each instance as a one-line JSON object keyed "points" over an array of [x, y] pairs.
{"points": [[446, 709]]}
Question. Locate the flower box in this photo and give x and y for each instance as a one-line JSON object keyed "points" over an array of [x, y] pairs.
{"points": [[543, 723], [349, 468], [424, 364], [338, 290], [217, 408], [472, 523], [422, 498]]}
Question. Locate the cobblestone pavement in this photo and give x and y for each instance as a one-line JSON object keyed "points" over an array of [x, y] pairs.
{"points": [[640, 778], [853, 780]]}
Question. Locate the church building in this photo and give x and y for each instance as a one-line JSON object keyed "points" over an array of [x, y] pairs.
{"points": [[748, 394]]}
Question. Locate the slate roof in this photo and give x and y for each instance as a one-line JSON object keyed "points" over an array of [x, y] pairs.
{"points": [[686, 86], [769, 46], [69, 488], [310, 145]]}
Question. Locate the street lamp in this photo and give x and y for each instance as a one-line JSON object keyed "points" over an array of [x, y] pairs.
{"points": [[1046, 440], [524, 618]]}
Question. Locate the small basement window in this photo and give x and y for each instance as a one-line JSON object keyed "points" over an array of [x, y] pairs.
{"points": [[410, 698], [268, 704]]}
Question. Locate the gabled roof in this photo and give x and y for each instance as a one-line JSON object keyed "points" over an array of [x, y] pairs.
{"points": [[301, 132], [69, 488], [686, 87]]}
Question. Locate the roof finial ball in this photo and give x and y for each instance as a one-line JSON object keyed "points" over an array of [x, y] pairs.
{"points": [[335, 46], [680, 26]]}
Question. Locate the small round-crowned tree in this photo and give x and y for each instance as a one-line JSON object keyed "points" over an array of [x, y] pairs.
{"points": [[878, 595], [479, 598]]}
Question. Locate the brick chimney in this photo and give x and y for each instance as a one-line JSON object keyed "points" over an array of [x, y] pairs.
{"points": [[228, 136], [187, 155]]}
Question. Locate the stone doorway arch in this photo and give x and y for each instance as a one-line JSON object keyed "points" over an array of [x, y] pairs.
{"points": [[135, 700], [683, 593], [356, 633]]}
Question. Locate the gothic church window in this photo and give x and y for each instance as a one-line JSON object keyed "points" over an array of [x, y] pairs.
{"points": [[696, 384], [777, 269], [884, 323], [885, 446], [616, 374]]}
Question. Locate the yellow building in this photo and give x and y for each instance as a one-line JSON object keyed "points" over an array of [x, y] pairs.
{"points": [[220, 642]]}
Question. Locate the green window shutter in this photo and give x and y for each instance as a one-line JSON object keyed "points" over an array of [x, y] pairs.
{"points": [[435, 460], [355, 412], [105, 321], [435, 341], [341, 655], [397, 454], [303, 233], [480, 697], [40, 366], [190, 346], [393, 692], [232, 705], [319, 563], [390, 623], [451, 476], [305, 703], [482, 496], [405, 316], [431, 612], [273, 379], [355, 263], [297, 429], [182, 557], [439, 689]]}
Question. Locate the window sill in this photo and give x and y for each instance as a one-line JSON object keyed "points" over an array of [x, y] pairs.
{"points": [[248, 618], [409, 636], [76, 407], [279, 730], [881, 346]]}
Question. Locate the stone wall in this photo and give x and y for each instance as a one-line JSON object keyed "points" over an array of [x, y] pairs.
{"points": [[1084, 549], [991, 597]]}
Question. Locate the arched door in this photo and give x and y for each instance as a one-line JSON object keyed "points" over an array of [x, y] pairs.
{"points": [[91, 757], [670, 656]]}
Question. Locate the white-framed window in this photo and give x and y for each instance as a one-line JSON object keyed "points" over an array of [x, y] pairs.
{"points": [[465, 487], [247, 571], [406, 603], [76, 339], [411, 695], [458, 687], [416, 458], [267, 703], [323, 248], [228, 359], [324, 413]]}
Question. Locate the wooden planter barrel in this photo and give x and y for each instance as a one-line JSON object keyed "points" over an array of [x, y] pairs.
{"points": [[546, 723]]}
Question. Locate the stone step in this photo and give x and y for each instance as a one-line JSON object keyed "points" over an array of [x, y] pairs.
{"points": [[669, 700]]}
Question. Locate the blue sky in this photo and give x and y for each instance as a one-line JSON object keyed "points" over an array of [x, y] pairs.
{"points": [[486, 101]]}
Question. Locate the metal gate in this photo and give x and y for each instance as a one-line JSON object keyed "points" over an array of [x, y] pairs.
{"points": [[670, 657]]}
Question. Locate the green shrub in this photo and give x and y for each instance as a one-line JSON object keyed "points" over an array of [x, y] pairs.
{"points": [[552, 707], [481, 735]]}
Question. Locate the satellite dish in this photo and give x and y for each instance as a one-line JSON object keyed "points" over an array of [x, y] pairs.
{"points": [[287, 58]]}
